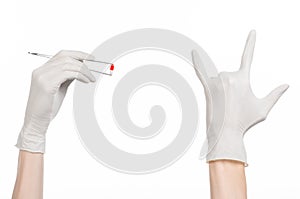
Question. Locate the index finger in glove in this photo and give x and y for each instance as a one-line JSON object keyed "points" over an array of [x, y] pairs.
{"points": [[248, 52], [74, 54]]}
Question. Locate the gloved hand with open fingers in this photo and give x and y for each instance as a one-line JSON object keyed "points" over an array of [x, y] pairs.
{"points": [[49, 84], [232, 108]]}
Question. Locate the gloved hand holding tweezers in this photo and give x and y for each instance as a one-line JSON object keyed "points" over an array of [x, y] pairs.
{"points": [[49, 85]]}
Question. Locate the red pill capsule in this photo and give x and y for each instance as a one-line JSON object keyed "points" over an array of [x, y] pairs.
{"points": [[112, 67]]}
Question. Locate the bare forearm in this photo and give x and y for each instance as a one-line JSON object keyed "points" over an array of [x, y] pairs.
{"points": [[227, 180], [29, 182]]}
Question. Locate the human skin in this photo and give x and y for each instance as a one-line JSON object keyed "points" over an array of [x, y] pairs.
{"points": [[232, 109], [49, 84], [227, 179], [29, 182]]}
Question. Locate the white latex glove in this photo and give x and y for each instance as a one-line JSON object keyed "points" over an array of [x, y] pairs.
{"points": [[49, 84], [232, 108]]}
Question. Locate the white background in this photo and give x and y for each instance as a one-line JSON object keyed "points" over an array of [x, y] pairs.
{"points": [[220, 27]]}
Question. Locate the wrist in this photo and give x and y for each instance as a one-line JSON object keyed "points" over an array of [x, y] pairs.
{"points": [[227, 179]]}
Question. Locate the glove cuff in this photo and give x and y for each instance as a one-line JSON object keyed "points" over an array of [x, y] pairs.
{"points": [[229, 146], [28, 140]]}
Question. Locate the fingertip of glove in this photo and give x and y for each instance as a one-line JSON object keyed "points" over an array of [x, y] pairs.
{"points": [[194, 52], [284, 88], [93, 79], [253, 32]]}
